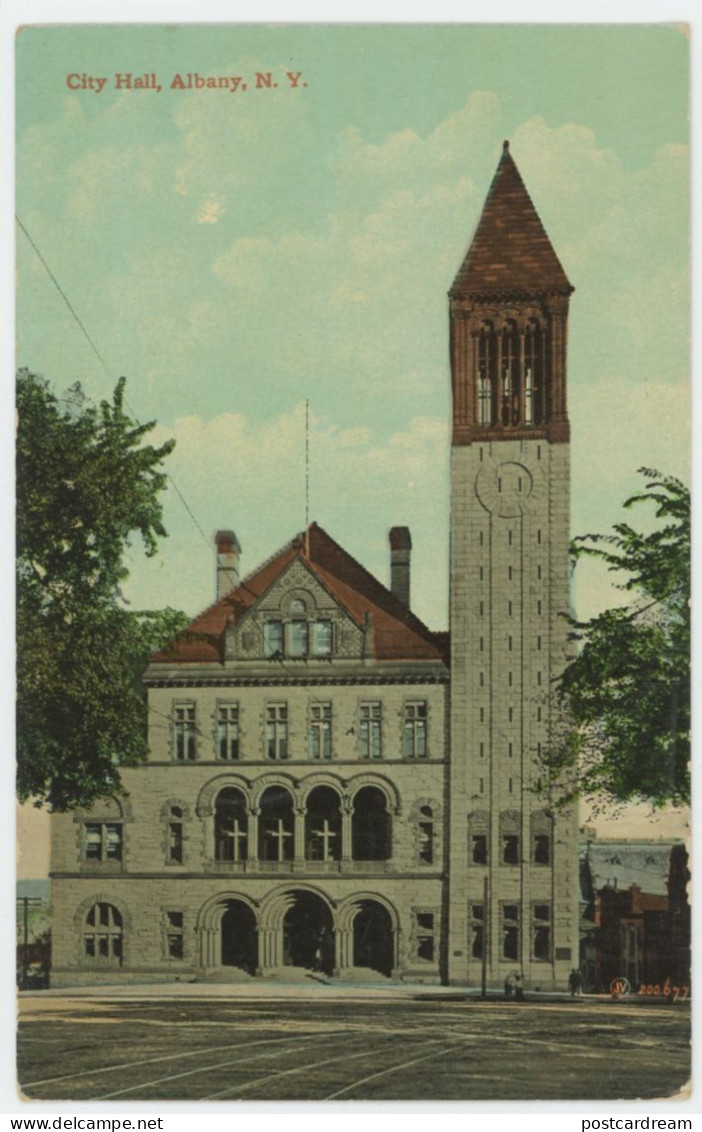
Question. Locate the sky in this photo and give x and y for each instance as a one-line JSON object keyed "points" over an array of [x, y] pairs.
{"points": [[236, 253]]}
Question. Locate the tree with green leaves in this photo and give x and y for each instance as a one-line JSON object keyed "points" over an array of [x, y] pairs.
{"points": [[86, 484], [627, 691]]}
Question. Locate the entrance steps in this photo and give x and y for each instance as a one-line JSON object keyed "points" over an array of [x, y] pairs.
{"points": [[297, 975]]}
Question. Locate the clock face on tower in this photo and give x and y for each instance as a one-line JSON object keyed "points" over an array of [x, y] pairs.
{"points": [[508, 489]]}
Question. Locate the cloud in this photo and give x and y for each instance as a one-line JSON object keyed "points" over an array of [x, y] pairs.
{"points": [[210, 211], [237, 471]]}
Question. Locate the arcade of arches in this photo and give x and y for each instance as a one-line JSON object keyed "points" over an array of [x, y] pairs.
{"points": [[298, 927], [328, 829]]}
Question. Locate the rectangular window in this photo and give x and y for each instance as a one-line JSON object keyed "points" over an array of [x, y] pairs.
{"points": [[480, 854], [174, 934], [510, 931], [273, 639], [322, 638], [542, 853], [228, 731], [277, 731], [369, 731], [541, 931], [184, 732], [477, 944], [424, 930], [102, 841], [320, 731], [297, 638], [414, 744], [510, 849]]}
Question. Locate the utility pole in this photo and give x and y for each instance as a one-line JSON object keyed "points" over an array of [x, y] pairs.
{"points": [[486, 920]]}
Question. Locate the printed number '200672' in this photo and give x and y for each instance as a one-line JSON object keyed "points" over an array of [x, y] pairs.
{"points": [[656, 990]]}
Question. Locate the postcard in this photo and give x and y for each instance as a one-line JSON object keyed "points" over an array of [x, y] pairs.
{"points": [[353, 562]]}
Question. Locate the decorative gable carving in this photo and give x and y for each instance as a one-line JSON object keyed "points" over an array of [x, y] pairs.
{"points": [[295, 596]]}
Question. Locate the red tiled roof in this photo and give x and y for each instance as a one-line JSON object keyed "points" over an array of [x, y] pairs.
{"points": [[510, 250], [398, 634]]}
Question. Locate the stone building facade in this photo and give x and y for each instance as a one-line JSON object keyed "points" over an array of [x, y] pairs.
{"points": [[331, 785]]}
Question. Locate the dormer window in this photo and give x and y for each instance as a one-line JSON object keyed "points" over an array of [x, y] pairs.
{"points": [[297, 634]]}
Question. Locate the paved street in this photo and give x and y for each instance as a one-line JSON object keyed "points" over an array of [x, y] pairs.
{"points": [[413, 1047]]}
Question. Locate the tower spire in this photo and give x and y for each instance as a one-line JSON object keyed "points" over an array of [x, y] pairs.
{"points": [[509, 307]]}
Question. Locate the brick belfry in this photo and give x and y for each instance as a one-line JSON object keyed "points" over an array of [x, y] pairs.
{"points": [[513, 855]]}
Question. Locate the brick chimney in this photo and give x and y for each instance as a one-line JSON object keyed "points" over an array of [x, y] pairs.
{"points": [[228, 554], [400, 553]]}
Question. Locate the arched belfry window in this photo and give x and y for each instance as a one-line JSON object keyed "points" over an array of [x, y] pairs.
{"points": [[535, 343], [510, 393], [487, 374], [231, 826]]}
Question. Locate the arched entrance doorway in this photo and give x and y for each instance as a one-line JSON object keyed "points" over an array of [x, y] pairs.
{"points": [[239, 937], [373, 944], [308, 934]]}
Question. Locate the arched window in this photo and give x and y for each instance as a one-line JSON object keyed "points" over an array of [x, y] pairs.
{"points": [[276, 825], [509, 365], [487, 373], [102, 936], [175, 835], [535, 343], [425, 840], [231, 825], [323, 825], [371, 837]]}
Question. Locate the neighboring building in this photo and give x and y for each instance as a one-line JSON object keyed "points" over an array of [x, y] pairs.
{"points": [[636, 923], [33, 931], [319, 791]]}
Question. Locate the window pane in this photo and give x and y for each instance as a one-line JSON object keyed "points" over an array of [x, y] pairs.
{"points": [[175, 946], [510, 943], [298, 638], [322, 638], [272, 638], [480, 849], [93, 843], [113, 842], [477, 945], [425, 948], [542, 943], [426, 842], [510, 849]]}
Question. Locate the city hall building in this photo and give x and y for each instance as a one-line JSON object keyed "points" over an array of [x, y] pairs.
{"points": [[331, 786]]}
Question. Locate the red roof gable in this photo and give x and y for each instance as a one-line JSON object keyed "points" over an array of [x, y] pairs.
{"points": [[510, 250], [398, 634]]}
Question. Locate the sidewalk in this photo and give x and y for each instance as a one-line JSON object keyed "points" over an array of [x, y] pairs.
{"points": [[311, 988]]}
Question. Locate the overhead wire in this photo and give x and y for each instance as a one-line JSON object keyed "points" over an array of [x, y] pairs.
{"points": [[103, 363]]}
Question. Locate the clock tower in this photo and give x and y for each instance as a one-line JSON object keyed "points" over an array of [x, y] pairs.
{"points": [[513, 899]]}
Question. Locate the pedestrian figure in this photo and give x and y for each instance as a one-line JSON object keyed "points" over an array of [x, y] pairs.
{"points": [[578, 982], [511, 985], [573, 983], [518, 987]]}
